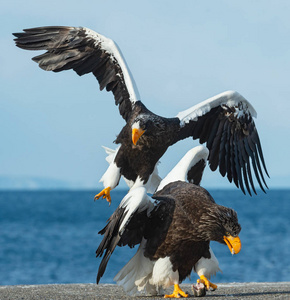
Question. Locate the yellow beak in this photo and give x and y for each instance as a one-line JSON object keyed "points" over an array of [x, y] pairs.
{"points": [[234, 244], [136, 134]]}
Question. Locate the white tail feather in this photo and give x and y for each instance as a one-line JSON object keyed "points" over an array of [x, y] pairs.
{"points": [[136, 274], [111, 154]]}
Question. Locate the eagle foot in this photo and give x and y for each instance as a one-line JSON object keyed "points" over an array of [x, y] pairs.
{"points": [[177, 293], [207, 283], [105, 193]]}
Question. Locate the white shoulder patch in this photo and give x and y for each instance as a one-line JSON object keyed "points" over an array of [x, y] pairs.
{"points": [[229, 98]]}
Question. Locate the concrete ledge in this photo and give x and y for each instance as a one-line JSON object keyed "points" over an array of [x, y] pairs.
{"points": [[276, 290]]}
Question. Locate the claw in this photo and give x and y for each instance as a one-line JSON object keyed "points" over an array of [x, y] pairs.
{"points": [[177, 293], [106, 195], [207, 283]]}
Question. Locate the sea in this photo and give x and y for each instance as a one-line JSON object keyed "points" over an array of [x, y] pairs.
{"points": [[49, 237]]}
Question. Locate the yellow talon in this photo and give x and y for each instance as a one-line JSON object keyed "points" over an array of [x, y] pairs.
{"points": [[207, 283], [106, 195], [177, 293]]}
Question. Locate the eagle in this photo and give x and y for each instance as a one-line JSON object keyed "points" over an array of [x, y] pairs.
{"points": [[224, 122], [173, 229]]}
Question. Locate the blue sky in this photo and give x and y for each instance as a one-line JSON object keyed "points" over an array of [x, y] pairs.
{"points": [[179, 52]]}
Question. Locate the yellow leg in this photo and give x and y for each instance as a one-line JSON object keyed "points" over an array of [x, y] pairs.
{"points": [[177, 293], [106, 195], [207, 283]]}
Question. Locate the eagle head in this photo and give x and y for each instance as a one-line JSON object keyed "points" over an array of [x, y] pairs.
{"points": [[147, 125], [224, 227], [229, 229]]}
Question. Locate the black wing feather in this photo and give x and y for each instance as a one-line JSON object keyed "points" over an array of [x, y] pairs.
{"points": [[194, 175], [110, 240], [222, 153], [230, 134], [243, 162], [152, 226], [79, 49], [238, 165], [213, 132]]}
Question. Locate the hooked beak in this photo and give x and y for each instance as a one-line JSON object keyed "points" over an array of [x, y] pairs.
{"points": [[234, 243], [136, 134]]}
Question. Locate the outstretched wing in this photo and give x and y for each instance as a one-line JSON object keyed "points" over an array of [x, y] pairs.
{"points": [[225, 123], [84, 51]]}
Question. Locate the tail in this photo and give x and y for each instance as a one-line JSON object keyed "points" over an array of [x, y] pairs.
{"points": [[136, 275], [111, 154]]}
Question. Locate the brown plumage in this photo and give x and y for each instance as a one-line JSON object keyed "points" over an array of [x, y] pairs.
{"points": [[179, 225]]}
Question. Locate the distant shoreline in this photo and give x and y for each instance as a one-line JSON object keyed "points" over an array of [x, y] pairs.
{"points": [[122, 189]]}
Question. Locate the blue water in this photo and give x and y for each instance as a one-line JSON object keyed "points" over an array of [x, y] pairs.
{"points": [[51, 237]]}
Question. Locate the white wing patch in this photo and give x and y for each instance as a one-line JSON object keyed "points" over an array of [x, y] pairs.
{"points": [[179, 172], [136, 275], [229, 98], [112, 48]]}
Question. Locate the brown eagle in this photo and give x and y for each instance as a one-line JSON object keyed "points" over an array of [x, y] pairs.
{"points": [[224, 122], [163, 226], [174, 229]]}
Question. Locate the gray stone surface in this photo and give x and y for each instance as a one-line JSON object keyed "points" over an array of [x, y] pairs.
{"points": [[253, 291]]}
